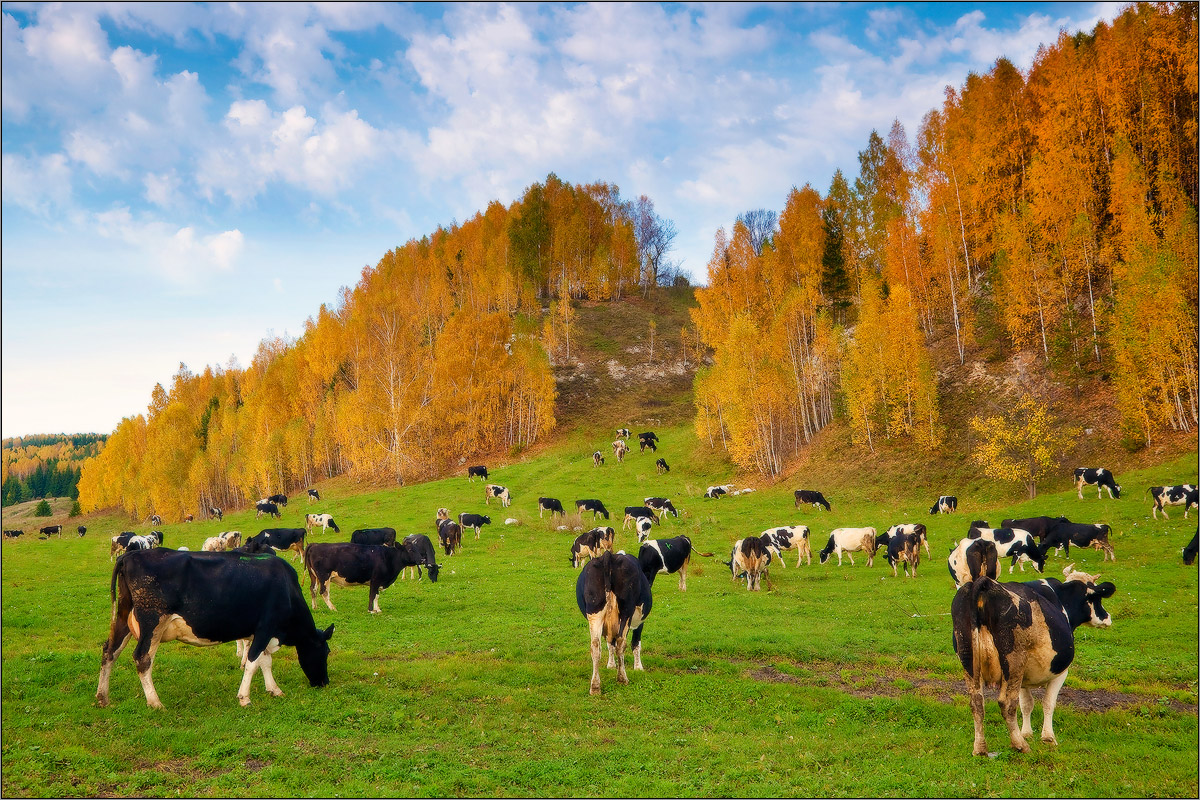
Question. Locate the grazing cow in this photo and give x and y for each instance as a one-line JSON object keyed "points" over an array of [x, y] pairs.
{"points": [[449, 535], [647, 439], [662, 506], [662, 466], [750, 556], [477, 472], [51, 529], [81, 530], [623, 433], [313, 495], [619, 450], [633, 513], [155, 519], [422, 551], [1064, 534], [716, 492], [499, 492], [946, 504], [643, 526], [901, 548], [324, 520], [849, 540], [1100, 478], [1019, 635], [216, 512], [227, 540], [614, 597], [206, 599], [475, 521], [348, 564], [263, 507], [594, 506], [189, 518], [1163, 496], [119, 543], [13, 534], [550, 504], [1189, 552], [982, 523], [667, 556], [271, 539], [597, 459], [278, 499], [788, 537], [378, 536], [812, 498], [1015, 543], [918, 529], [592, 544]]}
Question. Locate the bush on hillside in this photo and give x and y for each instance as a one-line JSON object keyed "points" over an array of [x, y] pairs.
{"points": [[75, 509], [42, 510]]}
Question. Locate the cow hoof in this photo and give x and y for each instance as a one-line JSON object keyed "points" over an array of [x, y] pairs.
{"points": [[595, 689], [243, 701], [155, 704], [102, 701], [1050, 740], [622, 679], [274, 692], [980, 749]]}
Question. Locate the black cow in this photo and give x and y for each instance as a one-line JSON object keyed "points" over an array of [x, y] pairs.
{"points": [[983, 523], [206, 599], [1013, 542], [1038, 526], [662, 466], [750, 556], [262, 507], [667, 556], [804, 496], [51, 529], [349, 564], [592, 544], [270, 539], [1163, 496], [614, 597], [1064, 534], [422, 551], [647, 439], [216, 512], [594, 506], [477, 472], [313, 494], [1019, 635], [662, 506], [449, 535], [1189, 552], [278, 499], [633, 513], [13, 534], [946, 504], [81, 530], [903, 547], [1100, 478], [475, 521], [550, 504], [380, 536]]}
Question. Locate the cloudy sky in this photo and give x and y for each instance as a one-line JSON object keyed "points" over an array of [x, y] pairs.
{"points": [[179, 180]]}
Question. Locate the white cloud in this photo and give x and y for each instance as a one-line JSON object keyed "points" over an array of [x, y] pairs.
{"points": [[178, 254], [37, 184]]}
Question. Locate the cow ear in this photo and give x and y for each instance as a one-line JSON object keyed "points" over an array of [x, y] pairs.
{"points": [[1106, 589], [328, 633]]}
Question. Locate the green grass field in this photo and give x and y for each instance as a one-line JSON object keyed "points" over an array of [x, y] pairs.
{"points": [[834, 681]]}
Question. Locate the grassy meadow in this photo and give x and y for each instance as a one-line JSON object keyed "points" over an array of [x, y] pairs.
{"points": [[832, 681]]}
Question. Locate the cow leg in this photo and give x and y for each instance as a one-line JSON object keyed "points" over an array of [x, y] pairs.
{"points": [[1027, 712], [264, 663], [1164, 510], [975, 694], [682, 581], [636, 644], [612, 659], [373, 599], [312, 590], [325, 595], [1079, 487], [143, 654], [850, 556], [477, 533], [620, 648], [595, 631], [1009, 699], [1049, 701], [118, 637]]}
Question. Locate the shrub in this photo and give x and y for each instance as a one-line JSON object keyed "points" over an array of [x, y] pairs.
{"points": [[42, 510]]}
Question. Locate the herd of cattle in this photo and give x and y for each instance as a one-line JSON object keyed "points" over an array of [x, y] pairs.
{"points": [[1014, 635]]}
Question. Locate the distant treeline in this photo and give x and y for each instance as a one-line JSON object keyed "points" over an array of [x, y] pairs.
{"points": [[46, 465], [47, 480]]}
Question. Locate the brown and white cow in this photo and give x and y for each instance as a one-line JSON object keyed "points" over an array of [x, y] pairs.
{"points": [[499, 492], [849, 540], [750, 556], [592, 544], [614, 597], [227, 540]]}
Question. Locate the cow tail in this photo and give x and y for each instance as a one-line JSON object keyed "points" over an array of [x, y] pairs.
{"points": [[705, 555]]}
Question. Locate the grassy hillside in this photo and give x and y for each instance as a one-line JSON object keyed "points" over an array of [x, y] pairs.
{"points": [[20, 516], [478, 684]]}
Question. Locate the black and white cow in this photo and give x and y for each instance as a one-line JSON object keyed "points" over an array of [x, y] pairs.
{"points": [[971, 558], [1064, 534], [917, 528], [594, 506], [499, 492], [1186, 495], [751, 557], [12, 534], [634, 513], [264, 507], [271, 539], [477, 472], [788, 537], [550, 504], [313, 495], [1100, 478], [324, 520], [475, 521], [1189, 552], [348, 564], [667, 556], [206, 599], [619, 450], [717, 492], [614, 597], [662, 466], [1019, 635], [51, 530], [216, 512], [662, 506], [278, 499], [226, 540], [449, 535], [946, 504], [849, 541], [141, 543], [377, 536], [1038, 526], [623, 433], [647, 439], [592, 544], [901, 548], [422, 550], [1013, 543], [155, 519], [597, 459], [119, 543], [812, 498]]}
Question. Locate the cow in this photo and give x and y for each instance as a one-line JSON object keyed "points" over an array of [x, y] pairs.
{"points": [[667, 556], [155, 519], [647, 439], [314, 496], [119, 543], [633, 513], [1039, 527], [901, 547], [1019, 635], [449, 535], [1099, 477], [619, 450], [1064, 534], [271, 539], [324, 520], [475, 521], [81, 530], [479, 471], [623, 433], [1015, 543], [971, 558], [499, 492], [614, 597], [349, 564], [643, 526], [12, 534], [378, 536], [140, 543], [597, 459], [189, 517], [216, 512], [278, 499], [788, 537], [946, 504], [51, 530], [1163, 496], [983, 523], [594, 506], [662, 466], [206, 599], [716, 492], [918, 529], [812, 498], [263, 507], [592, 544], [443, 513], [750, 556], [550, 504], [1189, 552], [422, 550], [848, 540], [661, 506], [226, 540]]}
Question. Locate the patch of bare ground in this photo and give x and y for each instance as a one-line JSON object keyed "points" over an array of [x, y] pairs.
{"points": [[944, 691]]}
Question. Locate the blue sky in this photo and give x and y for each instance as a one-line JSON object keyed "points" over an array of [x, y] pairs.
{"points": [[179, 180]]}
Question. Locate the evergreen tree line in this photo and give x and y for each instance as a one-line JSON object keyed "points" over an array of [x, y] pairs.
{"points": [[48, 479]]}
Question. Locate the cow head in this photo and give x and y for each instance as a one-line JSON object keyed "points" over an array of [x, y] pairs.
{"points": [[1082, 598], [313, 654], [1116, 491], [433, 569]]}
